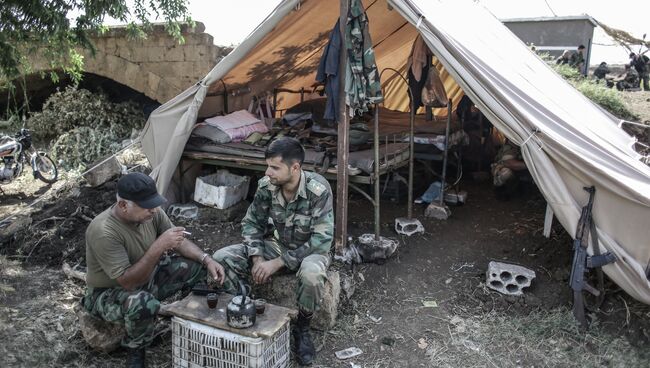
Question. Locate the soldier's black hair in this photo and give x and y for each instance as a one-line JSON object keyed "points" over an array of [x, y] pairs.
{"points": [[288, 149], [581, 47]]}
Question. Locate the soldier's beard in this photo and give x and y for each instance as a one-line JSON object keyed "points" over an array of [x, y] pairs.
{"points": [[279, 182]]}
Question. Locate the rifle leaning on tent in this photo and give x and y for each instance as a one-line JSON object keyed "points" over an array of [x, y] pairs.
{"points": [[582, 262]]}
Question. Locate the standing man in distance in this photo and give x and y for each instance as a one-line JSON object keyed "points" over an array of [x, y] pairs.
{"points": [[289, 225], [129, 269], [641, 64]]}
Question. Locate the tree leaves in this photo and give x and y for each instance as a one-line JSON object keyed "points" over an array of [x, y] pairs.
{"points": [[56, 28]]}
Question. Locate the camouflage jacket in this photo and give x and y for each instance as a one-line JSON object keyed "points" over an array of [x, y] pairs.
{"points": [[301, 227], [362, 84]]}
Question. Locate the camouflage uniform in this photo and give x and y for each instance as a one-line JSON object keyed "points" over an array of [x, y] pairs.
{"points": [[137, 309], [362, 83], [300, 232]]}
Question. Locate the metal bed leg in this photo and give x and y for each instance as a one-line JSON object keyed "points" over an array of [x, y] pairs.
{"points": [[440, 210], [444, 156], [411, 157]]}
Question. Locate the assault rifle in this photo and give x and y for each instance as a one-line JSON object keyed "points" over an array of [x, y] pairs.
{"points": [[582, 261]]}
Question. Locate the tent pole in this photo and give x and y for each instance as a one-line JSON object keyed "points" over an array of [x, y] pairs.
{"points": [[411, 158], [375, 146], [343, 140]]}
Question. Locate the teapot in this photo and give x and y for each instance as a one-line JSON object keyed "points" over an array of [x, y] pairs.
{"points": [[240, 312]]}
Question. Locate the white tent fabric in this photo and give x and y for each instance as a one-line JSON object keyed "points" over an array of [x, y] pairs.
{"points": [[567, 141]]}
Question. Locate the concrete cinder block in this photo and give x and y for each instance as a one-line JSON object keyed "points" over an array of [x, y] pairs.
{"points": [[436, 211], [187, 211], [408, 227], [372, 250], [282, 291], [507, 278]]}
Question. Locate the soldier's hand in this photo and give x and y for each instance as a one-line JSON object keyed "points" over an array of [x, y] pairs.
{"points": [[171, 238], [262, 271], [215, 270]]}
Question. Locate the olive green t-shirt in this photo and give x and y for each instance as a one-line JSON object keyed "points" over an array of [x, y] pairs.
{"points": [[112, 246]]}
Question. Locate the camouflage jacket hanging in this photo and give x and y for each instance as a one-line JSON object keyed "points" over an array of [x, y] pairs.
{"points": [[362, 85]]}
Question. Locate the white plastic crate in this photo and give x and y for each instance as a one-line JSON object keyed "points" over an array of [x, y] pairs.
{"points": [[199, 346], [221, 190]]}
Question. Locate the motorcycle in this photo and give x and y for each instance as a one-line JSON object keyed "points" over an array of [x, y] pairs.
{"points": [[14, 153]]}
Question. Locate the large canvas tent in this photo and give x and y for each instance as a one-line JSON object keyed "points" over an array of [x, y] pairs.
{"points": [[567, 142]]}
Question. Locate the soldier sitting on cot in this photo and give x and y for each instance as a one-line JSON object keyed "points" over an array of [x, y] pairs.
{"points": [[129, 270], [289, 226]]}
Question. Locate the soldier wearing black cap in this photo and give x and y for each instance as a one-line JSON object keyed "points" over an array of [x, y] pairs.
{"points": [[129, 270]]}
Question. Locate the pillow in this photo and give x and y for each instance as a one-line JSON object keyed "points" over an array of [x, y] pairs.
{"points": [[233, 120], [210, 132]]}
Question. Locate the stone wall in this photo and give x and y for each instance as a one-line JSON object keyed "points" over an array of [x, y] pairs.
{"points": [[157, 66]]}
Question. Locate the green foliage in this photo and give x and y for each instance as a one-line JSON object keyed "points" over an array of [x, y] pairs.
{"points": [[84, 126], [73, 108], [57, 28], [567, 72], [608, 98], [78, 148]]}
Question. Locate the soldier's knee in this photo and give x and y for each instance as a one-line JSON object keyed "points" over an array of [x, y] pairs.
{"points": [[228, 254], [311, 275], [220, 255], [141, 305]]}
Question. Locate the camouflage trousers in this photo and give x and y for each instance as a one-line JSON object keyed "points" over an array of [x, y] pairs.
{"points": [[312, 273], [137, 309]]}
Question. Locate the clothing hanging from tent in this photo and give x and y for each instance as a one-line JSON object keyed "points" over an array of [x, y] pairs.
{"points": [[328, 70], [362, 85]]}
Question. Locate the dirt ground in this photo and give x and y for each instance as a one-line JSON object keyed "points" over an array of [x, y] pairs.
{"points": [[386, 317], [427, 306]]}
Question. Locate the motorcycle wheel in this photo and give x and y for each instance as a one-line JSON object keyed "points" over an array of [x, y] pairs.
{"points": [[44, 168]]}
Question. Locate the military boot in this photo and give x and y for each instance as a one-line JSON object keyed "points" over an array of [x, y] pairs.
{"points": [[305, 351], [136, 358]]}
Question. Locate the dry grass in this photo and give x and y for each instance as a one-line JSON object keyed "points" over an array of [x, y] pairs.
{"points": [[540, 339]]}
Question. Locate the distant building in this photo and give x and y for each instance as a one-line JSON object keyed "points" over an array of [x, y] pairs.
{"points": [[553, 35]]}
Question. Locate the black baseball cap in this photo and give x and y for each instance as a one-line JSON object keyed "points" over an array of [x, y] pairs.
{"points": [[141, 189]]}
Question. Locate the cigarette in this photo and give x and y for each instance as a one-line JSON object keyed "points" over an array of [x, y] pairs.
{"points": [[187, 232]]}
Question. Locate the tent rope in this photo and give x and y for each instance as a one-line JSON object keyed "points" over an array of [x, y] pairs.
{"points": [[531, 135], [420, 19]]}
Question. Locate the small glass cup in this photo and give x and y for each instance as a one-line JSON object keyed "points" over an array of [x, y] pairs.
{"points": [[212, 299], [260, 306]]}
